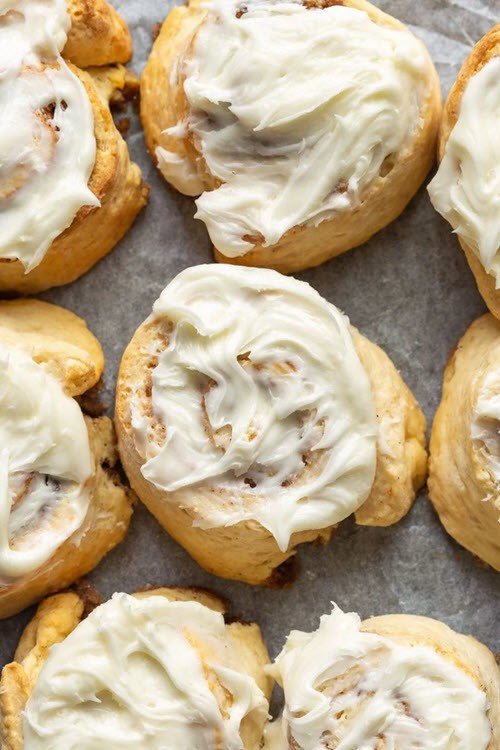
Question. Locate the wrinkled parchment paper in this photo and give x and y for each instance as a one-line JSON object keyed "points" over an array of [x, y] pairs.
{"points": [[409, 289]]}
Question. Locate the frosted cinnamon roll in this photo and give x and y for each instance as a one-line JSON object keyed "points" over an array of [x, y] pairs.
{"points": [[390, 682], [464, 474], [466, 188], [159, 671], [61, 505], [251, 418], [68, 190], [296, 161]]}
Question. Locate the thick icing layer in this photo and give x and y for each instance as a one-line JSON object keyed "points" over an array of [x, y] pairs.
{"points": [[294, 110], [466, 188], [145, 673], [354, 690], [30, 29], [263, 397], [47, 143], [45, 462]]}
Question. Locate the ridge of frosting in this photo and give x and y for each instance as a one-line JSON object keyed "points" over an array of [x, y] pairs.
{"points": [[45, 463], [263, 399], [354, 690], [47, 143], [466, 188], [148, 673], [297, 134]]}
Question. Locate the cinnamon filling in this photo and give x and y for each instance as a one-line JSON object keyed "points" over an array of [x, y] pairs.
{"points": [[25, 519], [44, 142]]}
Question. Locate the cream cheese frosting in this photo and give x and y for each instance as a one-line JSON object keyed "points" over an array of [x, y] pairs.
{"points": [[466, 188], [45, 463], [146, 673], [354, 690], [263, 397], [47, 143], [294, 110], [30, 29]]}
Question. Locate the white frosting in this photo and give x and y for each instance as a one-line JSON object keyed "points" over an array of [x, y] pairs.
{"points": [[131, 675], [47, 143], [485, 427], [354, 690], [263, 396], [30, 29], [45, 462], [182, 173], [466, 188], [294, 110]]}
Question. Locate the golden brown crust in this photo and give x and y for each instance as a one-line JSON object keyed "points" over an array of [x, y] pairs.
{"points": [[465, 652], [56, 338], [401, 455], [61, 341], [54, 619], [163, 105], [116, 182], [98, 35], [485, 50], [460, 486], [58, 616], [247, 551]]}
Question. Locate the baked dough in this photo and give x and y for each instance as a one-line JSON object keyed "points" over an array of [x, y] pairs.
{"points": [[257, 231], [390, 681], [68, 357], [98, 35], [465, 445], [482, 198], [61, 214], [242, 512], [243, 655]]}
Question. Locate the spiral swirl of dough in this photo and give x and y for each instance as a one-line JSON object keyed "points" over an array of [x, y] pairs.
{"points": [[349, 688], [45, 464], [47, 143], [464, 472], [146, 673], [258, 392], [288, 143]]}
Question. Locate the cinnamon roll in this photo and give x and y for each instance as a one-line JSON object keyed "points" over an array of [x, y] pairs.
{"points": [[251, 418], [68, 191], [61, 505], [159, 671], [396, 681], [466, 188], [464, 473], [303, 127]]}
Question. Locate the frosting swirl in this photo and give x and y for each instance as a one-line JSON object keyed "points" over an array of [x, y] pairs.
{"points": [[262, 396], [45, 463], [47, 143], [291, 141], [466, 188], [146, 673], [354, 690]]}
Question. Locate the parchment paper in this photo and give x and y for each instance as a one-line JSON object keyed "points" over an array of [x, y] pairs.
{"points": [[409, 289]]}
